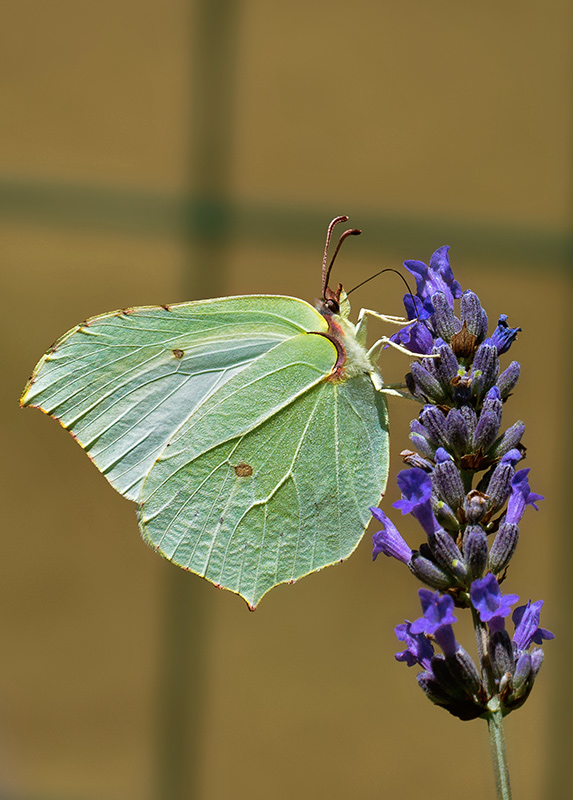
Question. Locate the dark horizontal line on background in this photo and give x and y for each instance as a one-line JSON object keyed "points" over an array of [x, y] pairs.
{"points": [[117, 210]]}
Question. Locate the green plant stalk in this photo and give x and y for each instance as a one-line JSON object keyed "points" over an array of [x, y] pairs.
{"points": [[498, 753]]}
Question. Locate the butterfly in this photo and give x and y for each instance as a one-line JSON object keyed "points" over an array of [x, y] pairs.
{"points": [[251, 431]]}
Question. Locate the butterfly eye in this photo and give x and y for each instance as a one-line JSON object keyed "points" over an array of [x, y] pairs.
{"points": [[332, 305]]}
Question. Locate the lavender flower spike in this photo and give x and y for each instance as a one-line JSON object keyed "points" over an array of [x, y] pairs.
{"points": [[463, 489]]}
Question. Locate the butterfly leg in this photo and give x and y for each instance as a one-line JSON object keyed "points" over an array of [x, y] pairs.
{"points": [[374, 351], [397, 390], [367, 312], [383, 317]]}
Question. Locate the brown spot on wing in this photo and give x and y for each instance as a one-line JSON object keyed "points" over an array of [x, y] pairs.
{"points": [[178, 353], [243, 470]]}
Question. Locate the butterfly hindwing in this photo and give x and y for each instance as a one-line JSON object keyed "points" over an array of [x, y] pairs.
{"points": [[286, 497]]}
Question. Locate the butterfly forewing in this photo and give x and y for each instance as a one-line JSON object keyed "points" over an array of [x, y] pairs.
{"points": [[124, 383]]}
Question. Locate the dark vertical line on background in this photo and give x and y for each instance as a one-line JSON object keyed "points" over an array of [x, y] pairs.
{"points": [[208, 215], [187, 606]]}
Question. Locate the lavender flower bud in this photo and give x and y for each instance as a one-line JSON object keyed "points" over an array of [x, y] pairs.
{"points": [[447, 554], [451, 677], [415, 460], [432, 689], [445, 516], [411, 385], [503, 547], [417, 427], [426, 384], [429, 364], [508, 379], [485, 369], [447, 483], [537, 657], [473, 315], [444, 676], [419, 437], [523, 675], [470, 418], [475, 506], [499, 486], [489, 421], [446, 365], [420, 442], [464, 671], [486, 431], [510, 439], [464, 709], [434, 423], [475, 550], [501, 653], [457, 432], [443, 318], [429, 573]]}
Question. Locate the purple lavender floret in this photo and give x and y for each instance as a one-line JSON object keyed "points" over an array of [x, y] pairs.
{"points": [[527, 630], [389, 541], [415, 337], [488, 600], [504, 336], [416, 488], [419, 649], [437, 277], [521, 496], [438, 610]]}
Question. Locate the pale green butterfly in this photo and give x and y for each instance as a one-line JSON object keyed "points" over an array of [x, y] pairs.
{"points": [[251, 431]]}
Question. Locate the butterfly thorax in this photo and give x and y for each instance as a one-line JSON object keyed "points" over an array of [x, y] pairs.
{"points": [[352, 359]]}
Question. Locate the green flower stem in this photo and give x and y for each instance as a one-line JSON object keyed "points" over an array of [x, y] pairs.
{"points": [[498, 755]]}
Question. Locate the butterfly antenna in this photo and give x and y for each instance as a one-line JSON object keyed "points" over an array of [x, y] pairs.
{"points": [[331, 227], [388, 269], [350, 232]]}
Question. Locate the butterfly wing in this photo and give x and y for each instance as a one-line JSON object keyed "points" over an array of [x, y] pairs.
{"points": [[124, 383], [273, 478], [252, 464]]}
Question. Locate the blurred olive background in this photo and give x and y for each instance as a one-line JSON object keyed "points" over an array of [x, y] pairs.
{"points": [[159, 151]]}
